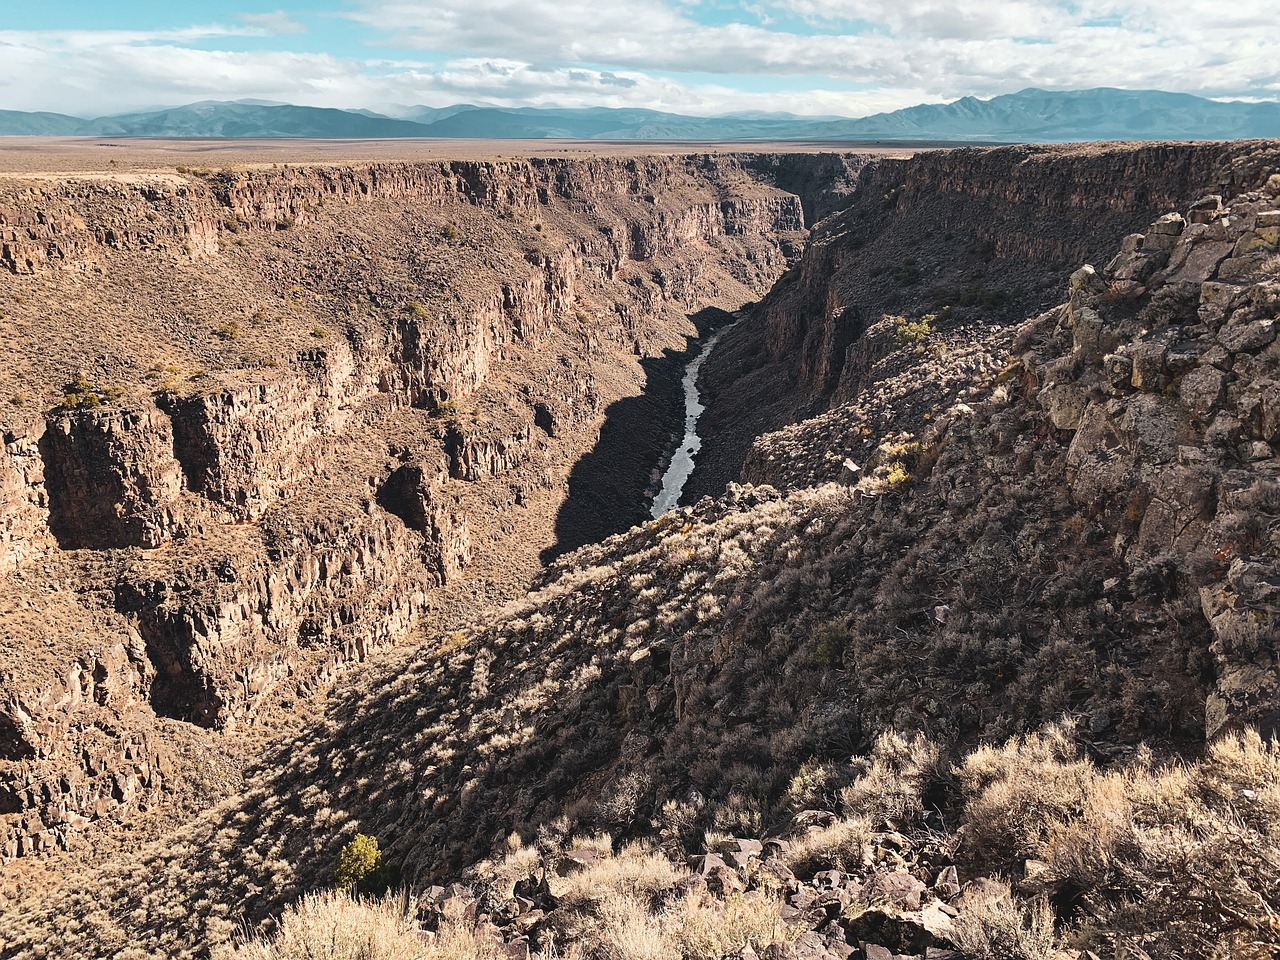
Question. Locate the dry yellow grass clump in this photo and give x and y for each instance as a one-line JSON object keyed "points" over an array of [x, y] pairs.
{"points": [[1057, 856], [338, 926]]}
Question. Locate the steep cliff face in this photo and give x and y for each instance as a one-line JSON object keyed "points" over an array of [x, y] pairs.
{"points": [[966, 237], [23, 501], [263, 417]]}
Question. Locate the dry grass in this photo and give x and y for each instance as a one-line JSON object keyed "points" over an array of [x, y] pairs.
{"points": [[635, 873], [998, 927], [892, 782], [1184, 858], [336, 926], [844, 845]]}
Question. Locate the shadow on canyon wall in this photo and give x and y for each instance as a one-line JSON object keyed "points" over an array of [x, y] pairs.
{"points": [[610, 489]]}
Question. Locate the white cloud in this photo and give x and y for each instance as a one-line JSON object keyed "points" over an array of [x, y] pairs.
{"points": [[117, 74], [658, 53], [274, 24], [947, 47]]}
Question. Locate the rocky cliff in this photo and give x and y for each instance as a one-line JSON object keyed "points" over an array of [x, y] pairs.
{"points": [[966, 237], [260, 418]]}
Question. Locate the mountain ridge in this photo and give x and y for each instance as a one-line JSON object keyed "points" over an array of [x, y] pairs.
{"points": [[1030, 115]]}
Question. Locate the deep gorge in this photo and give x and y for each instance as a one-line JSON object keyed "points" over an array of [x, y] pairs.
{"points": [[365, 408], [467, 364], [343, 393]]}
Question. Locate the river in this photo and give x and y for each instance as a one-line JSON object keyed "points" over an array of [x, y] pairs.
{"points": [[682, 460]]}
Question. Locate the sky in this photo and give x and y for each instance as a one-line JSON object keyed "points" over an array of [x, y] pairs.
{"points": [[818, 57]]}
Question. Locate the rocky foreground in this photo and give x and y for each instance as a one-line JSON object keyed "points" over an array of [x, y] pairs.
{"points": [[979, 660]]}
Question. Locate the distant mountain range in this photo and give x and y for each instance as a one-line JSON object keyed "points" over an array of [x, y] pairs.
{"points": [[1026, 117]]}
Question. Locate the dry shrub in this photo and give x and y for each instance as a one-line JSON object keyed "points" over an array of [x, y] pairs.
{"points": [[815, 786], [1184, 859], [1013, 794], [695, 926], [894, 779], [844, 845], [622, 927], [336, 926], [998, 927], [637, 905], [500, 876], [634, 872], [706, 927]]}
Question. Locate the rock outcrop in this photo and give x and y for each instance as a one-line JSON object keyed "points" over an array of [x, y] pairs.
{"points": [[1174, 387]]}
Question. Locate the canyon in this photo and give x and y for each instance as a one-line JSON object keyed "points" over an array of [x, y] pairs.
{"points": [[290, 406], [325, 491]]}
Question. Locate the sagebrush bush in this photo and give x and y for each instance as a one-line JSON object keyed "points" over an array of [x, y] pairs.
{"points": [[336, 926], [998, 927], [1183, 858], [843, 845], [893, 781]]}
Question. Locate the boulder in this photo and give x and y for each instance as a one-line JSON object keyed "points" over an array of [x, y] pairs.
{"points": [[1148, 365], [1247, 337], [1164, 233], [1198, 263], [898, 888], [1205, 209], [947, 884], [1064, 404], [576, 860], [1087, 325], [1203, 390], [1086, 280], [723, 882]]}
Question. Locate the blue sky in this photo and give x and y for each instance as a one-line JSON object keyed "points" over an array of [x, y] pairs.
{"points": [[847, 57]]}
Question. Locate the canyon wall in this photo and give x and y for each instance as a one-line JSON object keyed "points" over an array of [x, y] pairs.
{"points": [[261, 418], [971, 236]]}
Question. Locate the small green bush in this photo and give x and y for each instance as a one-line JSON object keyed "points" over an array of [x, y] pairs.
{"points": [[361, 868], [83, 394], [829, 642], [449, 232], [908, 333]]}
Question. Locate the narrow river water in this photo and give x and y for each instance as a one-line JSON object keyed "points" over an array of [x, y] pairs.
{"points": [[682, 460]]}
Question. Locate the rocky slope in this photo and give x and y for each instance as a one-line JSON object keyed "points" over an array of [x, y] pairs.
{"points": [[1089, 532], [259, 423]]}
